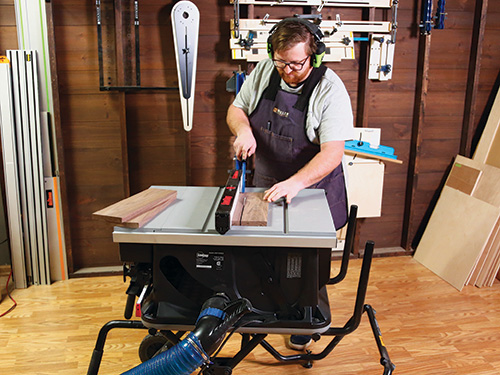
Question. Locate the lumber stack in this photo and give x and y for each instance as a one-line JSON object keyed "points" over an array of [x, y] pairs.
{"points": [[137, 210], [461, 243]]}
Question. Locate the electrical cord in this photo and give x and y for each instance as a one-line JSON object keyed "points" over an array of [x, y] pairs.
{"points": [[8, 293]]}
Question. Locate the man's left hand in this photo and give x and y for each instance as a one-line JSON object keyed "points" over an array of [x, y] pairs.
{"points": [[288, 189]]}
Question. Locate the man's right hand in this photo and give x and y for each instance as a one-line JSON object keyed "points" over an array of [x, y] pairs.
{"points": [[244, 145]]}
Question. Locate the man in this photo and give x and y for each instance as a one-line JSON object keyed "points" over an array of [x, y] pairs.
{"points": [[294, 114]]}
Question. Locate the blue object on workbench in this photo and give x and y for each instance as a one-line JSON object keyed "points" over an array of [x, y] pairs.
{"points": [[361, 146]]}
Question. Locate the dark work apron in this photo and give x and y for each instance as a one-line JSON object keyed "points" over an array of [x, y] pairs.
{"points": [[283, 148]]}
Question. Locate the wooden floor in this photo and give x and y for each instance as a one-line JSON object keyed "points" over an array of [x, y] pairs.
{"points": [[428, 327]]}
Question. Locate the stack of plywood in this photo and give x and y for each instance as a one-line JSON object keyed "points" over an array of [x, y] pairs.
{"points": [[461, 243]]}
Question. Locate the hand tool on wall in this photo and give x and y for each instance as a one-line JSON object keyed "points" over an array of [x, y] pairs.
{"points": [[185, 24], [440, 15]]}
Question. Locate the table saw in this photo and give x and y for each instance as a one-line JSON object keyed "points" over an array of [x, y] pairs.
{"points": [[273, 278], [191, 261]]}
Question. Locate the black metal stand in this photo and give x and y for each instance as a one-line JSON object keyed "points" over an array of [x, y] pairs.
{"points": [[224, 366], [95, 361]]}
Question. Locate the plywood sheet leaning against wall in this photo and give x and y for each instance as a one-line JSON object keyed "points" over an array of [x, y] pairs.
{"points": [[487, 190], [456, 235], [462, 240], [461, 243], [488, 148]]}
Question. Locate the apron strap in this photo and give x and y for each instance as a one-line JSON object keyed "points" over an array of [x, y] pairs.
{"points": [[309, 86], [273, 87], [303, 100]]}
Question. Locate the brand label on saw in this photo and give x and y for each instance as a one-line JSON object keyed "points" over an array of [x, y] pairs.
{"points": [[210, 260]]}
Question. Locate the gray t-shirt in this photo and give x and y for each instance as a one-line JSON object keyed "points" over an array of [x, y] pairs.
{"points": [[329, 115]]}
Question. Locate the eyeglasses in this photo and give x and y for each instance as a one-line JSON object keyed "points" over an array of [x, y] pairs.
{"points": [[295, 66]]}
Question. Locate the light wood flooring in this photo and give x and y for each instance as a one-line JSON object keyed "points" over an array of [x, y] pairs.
{"points": [[428, 327]]}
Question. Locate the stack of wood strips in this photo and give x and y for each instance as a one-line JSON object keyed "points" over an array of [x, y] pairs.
{"points": [[137, 210], [461, 243]]}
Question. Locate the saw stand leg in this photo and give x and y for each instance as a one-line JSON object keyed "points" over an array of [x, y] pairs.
{"points": [[225, 366], [95, 361], [384, 355]]}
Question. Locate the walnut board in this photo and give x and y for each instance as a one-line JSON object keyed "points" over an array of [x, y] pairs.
{"points": [[146, 217], [251, 210], [131, 208]]}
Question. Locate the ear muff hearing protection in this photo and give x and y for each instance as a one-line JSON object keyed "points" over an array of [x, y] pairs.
{"points": [[317, 57]]}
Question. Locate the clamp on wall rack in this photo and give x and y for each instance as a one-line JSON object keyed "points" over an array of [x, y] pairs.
{"points": [[249, 36]]}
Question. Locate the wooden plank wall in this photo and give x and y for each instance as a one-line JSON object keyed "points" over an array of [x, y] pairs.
{"points": [[8, 33], [447, 80], [116, 144]]}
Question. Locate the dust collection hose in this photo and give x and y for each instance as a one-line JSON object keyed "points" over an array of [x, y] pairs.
{"points": [[217, 316]]}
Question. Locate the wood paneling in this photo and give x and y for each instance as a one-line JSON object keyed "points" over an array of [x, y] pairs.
{"points": [[8, 38], [115, 141], [7, 14]]}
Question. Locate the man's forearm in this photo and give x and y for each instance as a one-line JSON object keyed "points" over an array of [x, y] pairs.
{"points": [[239, 124], [237, 120]]}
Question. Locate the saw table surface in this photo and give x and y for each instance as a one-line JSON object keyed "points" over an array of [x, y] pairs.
{"points": [[190, 219]]}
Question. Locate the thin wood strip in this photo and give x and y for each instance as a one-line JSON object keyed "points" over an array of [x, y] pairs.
{"points": [[134, 206], [495, 266], [489, 259], [474, 275], [238, 210]]}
